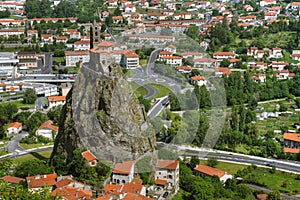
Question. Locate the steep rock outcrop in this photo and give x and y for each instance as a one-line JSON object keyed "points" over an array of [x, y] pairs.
{"points": [[103, 115]]}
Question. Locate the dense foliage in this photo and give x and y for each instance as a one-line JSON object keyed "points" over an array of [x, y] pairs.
{"points": [[29, 96]]}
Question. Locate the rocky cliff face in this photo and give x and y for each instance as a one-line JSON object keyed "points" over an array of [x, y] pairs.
{"points": [[103, 115]]}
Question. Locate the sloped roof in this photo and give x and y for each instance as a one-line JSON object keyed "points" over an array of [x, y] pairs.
{"points": [[48, 124], [292, 136], [210, 171], [89, 156], [123, 168], [12, 179], [15, 125], [167, 164], [41, 180]]}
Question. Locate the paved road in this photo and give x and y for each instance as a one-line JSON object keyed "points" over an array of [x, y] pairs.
{"points": [[157, 108], [13, 145], [39, 104], [202, 153], [48, 63]]}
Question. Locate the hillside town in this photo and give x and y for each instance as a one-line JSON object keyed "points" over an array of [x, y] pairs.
{"points": [[189, 62]]}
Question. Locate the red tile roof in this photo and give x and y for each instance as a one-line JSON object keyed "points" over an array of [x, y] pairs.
{"points": [[167, 164], [131, 196], [198, 78], [3, 84], [15, 125], [165, 53], [222, 69], [223, 54], [261, 196], [11, 88], [75, 53], [48, 125], [63, 182], [132, 188], [12, 179], [210, 171], [89, 156], [71, 193], [106, 197], [160, 182], [41, 180], [131, 54], [123, 168], [291, 150], [292, 136], [57, 98], [112, 189]]}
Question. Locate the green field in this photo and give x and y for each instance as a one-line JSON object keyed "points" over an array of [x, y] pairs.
{"points": [[130, 73], [18, 103], [41, 156], [138, 90], [161, 90], [31, 146]]}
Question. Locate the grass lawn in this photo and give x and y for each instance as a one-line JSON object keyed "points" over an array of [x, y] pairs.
{"points": [[60, 59], [161, 90], [130, 73], [281, 181], [18, 103], [3, 152], [138, 90], [228, 167], [31, 146], [41, 156]]}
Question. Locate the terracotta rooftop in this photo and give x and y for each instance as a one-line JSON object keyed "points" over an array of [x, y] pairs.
{"points": [[223, 54], [132, 188], [57, 98], [167, 164], [112, 189], [291, 150], [71, 193], [106, 197], [210, 171], [123, 168], [48, 125], [292, 136], [12, 179], [160, 182], [41, 180], [89, 156], [131, 54], [131, 196], [15, 125]]}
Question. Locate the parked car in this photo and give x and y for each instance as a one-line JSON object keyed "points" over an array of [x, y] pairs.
{"points": [[165, 194]]}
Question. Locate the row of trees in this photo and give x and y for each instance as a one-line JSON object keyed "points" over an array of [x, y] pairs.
{"points": [[85, 10]]}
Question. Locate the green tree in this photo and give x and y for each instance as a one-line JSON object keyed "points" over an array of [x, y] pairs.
{"points": [[31, 168], [29, 96], [145, 102], [275, 195], [212, 162], [194, 162], [225, 63]]}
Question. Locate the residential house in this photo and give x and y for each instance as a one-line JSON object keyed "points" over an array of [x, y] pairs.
{"points": [[12, 179], [14, 128], [220, 71], [47, 130], [74, 57], [184, 69], [54, 20], [284, 74], [62, 39], [172, 60], [291, 142], [130, 8], [248, 8], [131, 60], [207, 171], [167, 172], [275, 52], [56, 101], [117, 19], [164, 53], [32, 34], [90, 158], [112, 3], [28, 59], [171, 48], [296, 55], [194, 55], [198, 80], [11, 22], [259, 66], [11, 32], [73, 34], [223, 55], [267, 2], [205, 62], [47, 38], [276, 9], [123, 172], [295, 5], [151, 38], [81, 45], [270, 16], [38, 182], [278, 66]]}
